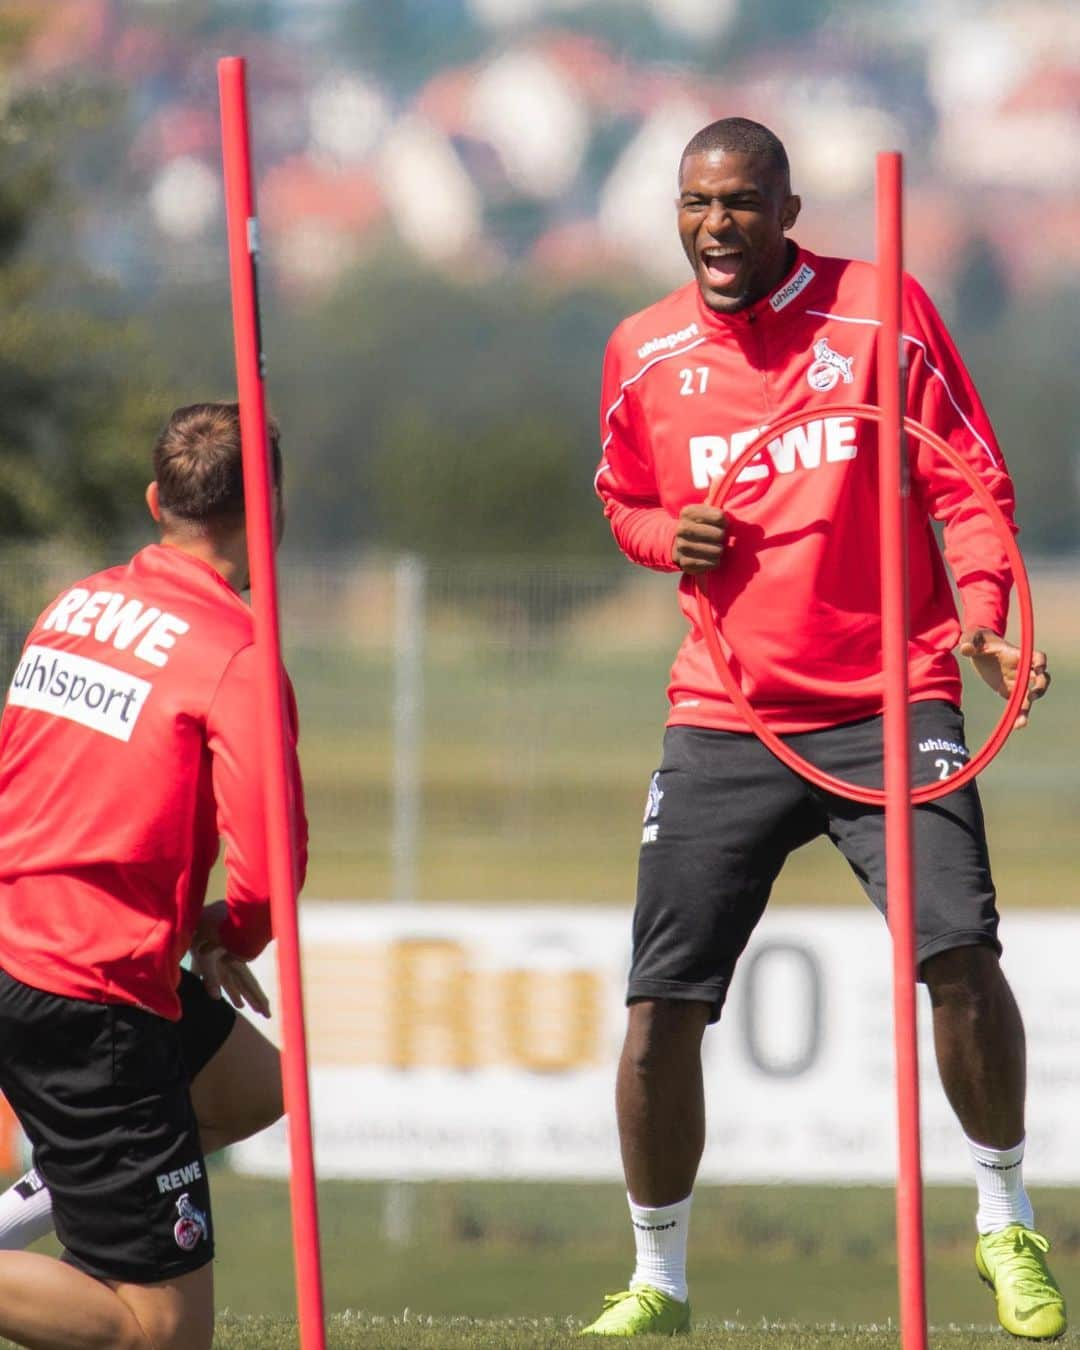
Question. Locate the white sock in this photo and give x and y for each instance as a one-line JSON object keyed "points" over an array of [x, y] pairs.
{"points": [[25, 1213], [999, 1175], [660, 1238]]}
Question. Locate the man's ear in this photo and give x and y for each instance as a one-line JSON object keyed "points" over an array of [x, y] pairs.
{"points": [[153, 501], [789, 214]]}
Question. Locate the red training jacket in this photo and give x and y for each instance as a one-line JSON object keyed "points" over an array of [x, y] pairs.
{"points": [[129, 743], [797, 594]]}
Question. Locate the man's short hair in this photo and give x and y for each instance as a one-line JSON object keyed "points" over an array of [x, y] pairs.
{"points": [[744, 137], [198, 464]]}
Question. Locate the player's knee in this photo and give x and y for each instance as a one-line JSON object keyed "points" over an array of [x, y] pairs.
{"points": [[177, 1326], [185, 1335], [659, 1030], [123, 1333], [969, 976], [177, 1315], [190, 1336], [158, 1333]]}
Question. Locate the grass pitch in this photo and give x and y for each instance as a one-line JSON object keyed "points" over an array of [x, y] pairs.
{"points": [[537, 742], [506, 1265], [532, 787], [409, 1330]]}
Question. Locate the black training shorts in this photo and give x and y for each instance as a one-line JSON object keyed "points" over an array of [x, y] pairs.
{"points": [[205, 1023], [723, 814], [101, 1090]]}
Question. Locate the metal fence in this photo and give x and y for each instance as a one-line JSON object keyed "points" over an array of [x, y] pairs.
{"points": [[469, 728], [486, 730]]}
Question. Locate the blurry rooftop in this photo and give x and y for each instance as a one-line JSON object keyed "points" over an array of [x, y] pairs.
{"points": [[545, 141]]}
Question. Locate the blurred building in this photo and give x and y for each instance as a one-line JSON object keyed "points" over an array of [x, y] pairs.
{"points": [[489, 134]]}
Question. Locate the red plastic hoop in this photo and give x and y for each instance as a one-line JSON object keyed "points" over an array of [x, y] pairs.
{"points": [[721, 489]]}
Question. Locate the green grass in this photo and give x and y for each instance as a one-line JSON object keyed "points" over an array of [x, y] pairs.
{"points": [[534, 772], [507, 1265], [506, 1334], [542, 1255], [492, 1264]]}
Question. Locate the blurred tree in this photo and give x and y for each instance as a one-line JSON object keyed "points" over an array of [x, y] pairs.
{"points": [[1024, 366], [767, 22], [503, 488], [395, 373], [405, 43], [488, 392], [79, 398], [982, 293], [389, 378]]}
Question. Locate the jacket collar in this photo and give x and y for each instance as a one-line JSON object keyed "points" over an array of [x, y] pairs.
{"points": [[165, 559], [803, 271]]}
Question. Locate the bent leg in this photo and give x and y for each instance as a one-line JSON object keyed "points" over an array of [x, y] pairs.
{"points": [[238, 1092], [47, 1305], [979, 1040], [235, 1094], [660, 1100], [176, 1314]]}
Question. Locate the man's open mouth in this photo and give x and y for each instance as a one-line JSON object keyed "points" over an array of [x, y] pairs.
{"points": [[721, 264]]}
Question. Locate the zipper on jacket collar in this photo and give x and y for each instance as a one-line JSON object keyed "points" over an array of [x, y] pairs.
{"points": [[764, 308], [758, 332]]}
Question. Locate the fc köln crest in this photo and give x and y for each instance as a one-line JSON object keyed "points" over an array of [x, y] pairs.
{"points": [[191, 1227], [829, 368]]}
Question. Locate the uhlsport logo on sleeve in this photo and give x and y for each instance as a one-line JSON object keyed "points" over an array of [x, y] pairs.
{"points": [[89, 692], [652, 810]]}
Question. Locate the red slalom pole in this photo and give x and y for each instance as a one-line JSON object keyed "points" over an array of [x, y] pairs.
{"points": [[243, 248], [894, 493]]}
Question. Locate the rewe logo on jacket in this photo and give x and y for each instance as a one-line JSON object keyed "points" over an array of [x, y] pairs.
{"points": [[825, 440], [110, 617]]}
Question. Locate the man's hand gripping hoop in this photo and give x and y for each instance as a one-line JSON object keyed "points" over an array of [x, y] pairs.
{"points": [[719, 492]]}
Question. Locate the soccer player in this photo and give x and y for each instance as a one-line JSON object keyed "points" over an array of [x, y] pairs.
{"points": [[766, 328], [129, 748]]}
